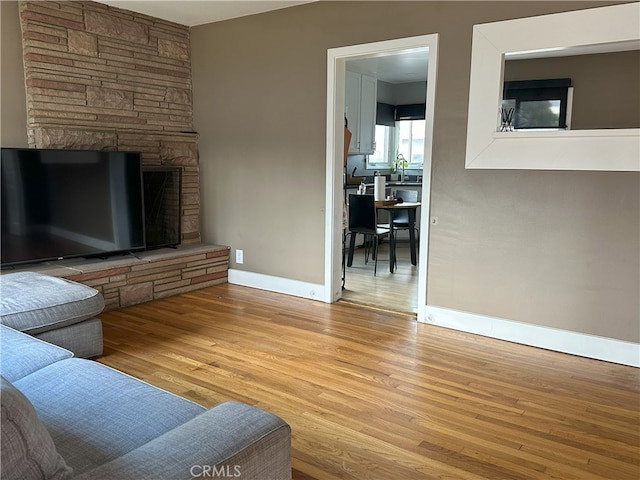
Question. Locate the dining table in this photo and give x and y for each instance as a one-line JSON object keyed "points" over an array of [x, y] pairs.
{"points": [[411, 207]]}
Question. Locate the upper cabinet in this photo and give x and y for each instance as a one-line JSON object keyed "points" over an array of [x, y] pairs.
{"points": [[360, 110]]}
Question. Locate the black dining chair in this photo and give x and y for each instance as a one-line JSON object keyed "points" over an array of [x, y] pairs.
{"points": [[401, 217], [363, 219]]}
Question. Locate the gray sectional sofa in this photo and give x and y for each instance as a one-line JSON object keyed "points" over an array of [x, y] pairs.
{"points": [[65, 417], [53, 309]]}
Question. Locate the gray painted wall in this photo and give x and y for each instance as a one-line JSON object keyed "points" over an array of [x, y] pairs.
{"points": [[550, 248], [13, 119]]}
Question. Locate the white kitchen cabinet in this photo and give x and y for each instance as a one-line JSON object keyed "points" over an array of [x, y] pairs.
{"points": [[360, 110]]}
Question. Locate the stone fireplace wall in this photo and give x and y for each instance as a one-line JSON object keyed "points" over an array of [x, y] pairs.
{"points": [[103, 78]]}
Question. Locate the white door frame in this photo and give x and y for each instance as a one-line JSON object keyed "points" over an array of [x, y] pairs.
{"points": [[336, 60]]}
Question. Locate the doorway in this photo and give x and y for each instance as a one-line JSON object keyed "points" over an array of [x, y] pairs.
{"points": [[336, 66]]}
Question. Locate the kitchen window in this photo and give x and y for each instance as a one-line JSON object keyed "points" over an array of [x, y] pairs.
{"points": [[410, 134], [383, 155], [400, 129], [406, 138]]}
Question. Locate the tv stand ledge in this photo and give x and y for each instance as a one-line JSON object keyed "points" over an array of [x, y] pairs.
{"points": [[129, 280]]}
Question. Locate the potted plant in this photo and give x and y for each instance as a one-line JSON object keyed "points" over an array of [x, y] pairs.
{"points": [[399, 162]]}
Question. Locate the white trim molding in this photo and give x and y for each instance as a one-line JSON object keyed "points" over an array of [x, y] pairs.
{"points": [[614, 27], [565, 341], [313, 291], [334, 201]]}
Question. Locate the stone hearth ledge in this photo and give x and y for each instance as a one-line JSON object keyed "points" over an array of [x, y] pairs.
{"points": [[76, 266], [132, 278]]}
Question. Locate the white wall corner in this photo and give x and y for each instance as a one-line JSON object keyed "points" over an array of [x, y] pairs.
{"points": [[565, 341], [313, 291]]}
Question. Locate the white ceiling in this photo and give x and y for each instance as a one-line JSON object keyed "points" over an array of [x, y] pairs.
{"points": [[199, 12], [400, 67]]}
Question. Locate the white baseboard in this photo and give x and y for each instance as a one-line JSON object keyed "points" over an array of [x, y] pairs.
{"points": [[565, 341], [287, 286], [582, 344]]}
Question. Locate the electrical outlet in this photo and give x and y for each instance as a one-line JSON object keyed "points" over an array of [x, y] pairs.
{"points": [[239, 256]]}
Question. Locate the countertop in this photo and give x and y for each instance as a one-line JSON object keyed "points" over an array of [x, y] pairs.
{"points": [[390, 184], [404, 184]]}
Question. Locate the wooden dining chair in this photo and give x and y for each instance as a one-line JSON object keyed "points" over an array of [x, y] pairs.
{"points": [[363, 219]]}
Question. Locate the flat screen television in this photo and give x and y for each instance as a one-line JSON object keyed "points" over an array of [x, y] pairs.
{"points": [[59, 204]]}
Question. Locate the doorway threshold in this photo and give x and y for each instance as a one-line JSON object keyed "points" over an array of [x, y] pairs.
{"points": [[394, 310]]}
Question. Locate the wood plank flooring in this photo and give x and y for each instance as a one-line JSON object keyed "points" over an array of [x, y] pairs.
{"points": [[397, 291], [374, 395]]}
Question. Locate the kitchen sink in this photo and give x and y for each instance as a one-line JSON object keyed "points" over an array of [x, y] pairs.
{"points": [[409, 183]]}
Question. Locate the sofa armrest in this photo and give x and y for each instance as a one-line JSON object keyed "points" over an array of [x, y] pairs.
{"points": [[231, 440]]}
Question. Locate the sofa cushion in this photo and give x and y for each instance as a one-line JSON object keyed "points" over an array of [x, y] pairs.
{"points": [[28, 452], [99, 413], [84, 338], [32, 302], [21, 354]]}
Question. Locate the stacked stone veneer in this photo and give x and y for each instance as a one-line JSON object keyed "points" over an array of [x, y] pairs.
{"points": [[153, 275], [129, 280], [103, 78]]}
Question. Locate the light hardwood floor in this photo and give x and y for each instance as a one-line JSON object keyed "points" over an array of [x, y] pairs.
{"points": [[397, 291], [374, 395]]}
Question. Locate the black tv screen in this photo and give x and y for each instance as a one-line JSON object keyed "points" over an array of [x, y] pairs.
{"points": [[60, 204]]}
